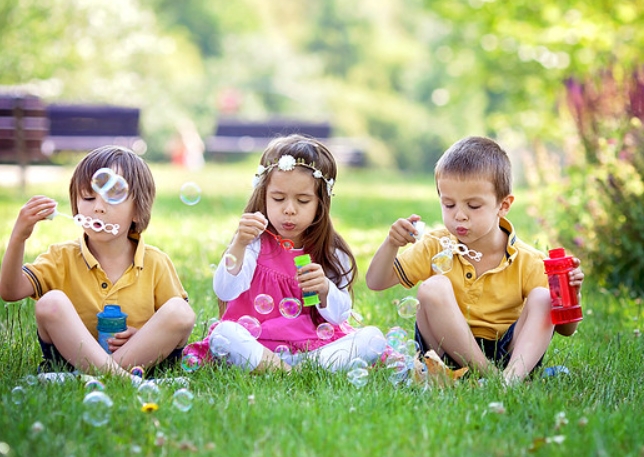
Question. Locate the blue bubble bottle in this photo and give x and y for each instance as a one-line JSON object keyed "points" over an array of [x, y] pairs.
{"points": [[110, 321]]}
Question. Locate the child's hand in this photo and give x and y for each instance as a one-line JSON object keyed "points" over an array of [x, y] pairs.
{"points": [[251, 225], [403, 231], [34, 211], [311, 278], [119, 339], [576, 276]]}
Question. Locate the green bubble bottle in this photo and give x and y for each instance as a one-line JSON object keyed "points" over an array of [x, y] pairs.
{"points": [[309, 298]]}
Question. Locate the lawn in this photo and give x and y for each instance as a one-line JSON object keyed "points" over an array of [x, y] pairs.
{"points": [[595, 410]]}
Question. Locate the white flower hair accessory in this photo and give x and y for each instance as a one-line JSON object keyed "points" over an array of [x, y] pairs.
{"points": [[288, 163]]}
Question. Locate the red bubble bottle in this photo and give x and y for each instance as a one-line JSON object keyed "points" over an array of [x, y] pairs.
{"points": [[564, 298]]}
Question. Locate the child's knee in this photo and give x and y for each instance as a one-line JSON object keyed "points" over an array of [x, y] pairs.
{"points": [[181, 313], [372, 339], [539, 299], [437, 286], [51, 305]]}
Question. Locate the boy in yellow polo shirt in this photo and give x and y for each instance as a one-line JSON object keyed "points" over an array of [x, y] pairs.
{"points": [[109, 264], [492, 302]]}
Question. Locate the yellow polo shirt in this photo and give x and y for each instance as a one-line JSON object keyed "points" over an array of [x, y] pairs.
{"points": [[70, 267], [491, 302]]}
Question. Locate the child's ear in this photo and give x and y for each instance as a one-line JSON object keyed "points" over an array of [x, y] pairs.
{"points": [[506, 203]]}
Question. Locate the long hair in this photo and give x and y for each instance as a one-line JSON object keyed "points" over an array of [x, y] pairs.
{"points": [[320, 239], [129, 165]]}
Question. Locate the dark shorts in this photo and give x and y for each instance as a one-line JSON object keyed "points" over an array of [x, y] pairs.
{"points": [[495, 350], [53, 361]]}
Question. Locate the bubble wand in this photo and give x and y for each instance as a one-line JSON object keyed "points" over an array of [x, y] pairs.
{"points": [[112, 188], [443, 261], [284, 243]]}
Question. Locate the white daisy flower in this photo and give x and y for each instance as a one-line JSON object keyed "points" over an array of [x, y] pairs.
{"points": [[329, 187], [286, 163]]}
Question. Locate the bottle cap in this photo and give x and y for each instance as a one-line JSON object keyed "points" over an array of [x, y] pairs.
{"points": [[302, 260], [111, 319], [557, 253], [111, 312]]}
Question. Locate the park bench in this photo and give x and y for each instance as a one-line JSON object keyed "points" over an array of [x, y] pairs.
{"points": [[23, 126], [237, 136], [86, 127]]}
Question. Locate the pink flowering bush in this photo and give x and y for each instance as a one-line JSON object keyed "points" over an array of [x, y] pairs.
{"points": [[599, 209]]}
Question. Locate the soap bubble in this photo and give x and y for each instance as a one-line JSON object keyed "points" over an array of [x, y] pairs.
{"points": [[182, 400], [409, 348], [148, 392], [251, 324], [112, 187], [219, 345], [18, 395], [283, 351], [325, 331], [190, 363], [358, 373], [407, 307], [290, 307], [443, 261], [264, 304], [396, 337], [94, 385], [398, 371], [96, 408], [190, 193], [137, 371], [230, 261], [31, 380]]}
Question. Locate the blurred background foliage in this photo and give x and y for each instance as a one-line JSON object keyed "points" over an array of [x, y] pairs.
{"points": [[556, 82]]}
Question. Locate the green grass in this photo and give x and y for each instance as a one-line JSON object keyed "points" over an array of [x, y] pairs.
{"points": [[314, 413]]}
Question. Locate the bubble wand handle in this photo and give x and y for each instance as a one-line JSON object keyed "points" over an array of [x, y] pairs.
{"points": [[285, 243]]}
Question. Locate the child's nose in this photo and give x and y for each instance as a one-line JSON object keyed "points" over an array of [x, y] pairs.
{"points": [[100, 206], [289, 208], [461, 215]]}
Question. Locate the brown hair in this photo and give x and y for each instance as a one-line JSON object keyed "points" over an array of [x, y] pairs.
{"points": [[320, 238], [129, 165], [477, 157]]}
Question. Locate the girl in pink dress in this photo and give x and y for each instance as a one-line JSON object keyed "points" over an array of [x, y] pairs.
{"points": [[264, 325]]}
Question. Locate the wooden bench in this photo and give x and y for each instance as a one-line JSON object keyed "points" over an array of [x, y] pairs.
{"points": [[235, 135], [86, 127], [23, 126]]}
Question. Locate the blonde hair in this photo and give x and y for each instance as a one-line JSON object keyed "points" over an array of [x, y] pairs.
{"points": [[477, 157], [129, 165]]}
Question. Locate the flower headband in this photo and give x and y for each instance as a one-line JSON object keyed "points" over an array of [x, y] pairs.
{"points": [[288, 163]]}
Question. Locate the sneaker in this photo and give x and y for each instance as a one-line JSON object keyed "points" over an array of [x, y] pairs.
{"points": [[554, 371]]}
